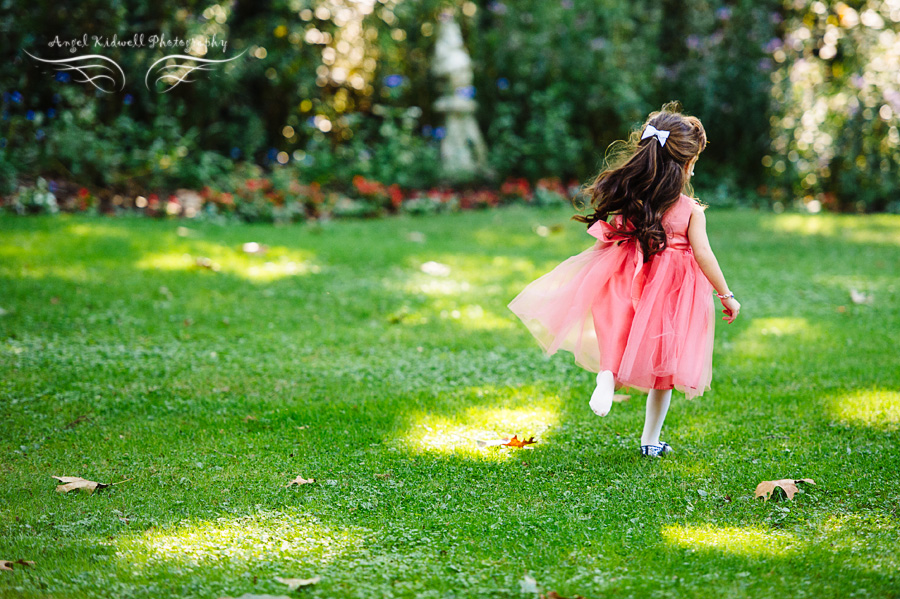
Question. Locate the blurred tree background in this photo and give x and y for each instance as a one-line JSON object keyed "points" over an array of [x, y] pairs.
{"points": [[800, 99]]}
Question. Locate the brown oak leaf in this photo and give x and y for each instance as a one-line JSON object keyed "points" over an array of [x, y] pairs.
{"points": [[788, 485], [75, 482], [8, 565], [301, 481], [295, 583]]}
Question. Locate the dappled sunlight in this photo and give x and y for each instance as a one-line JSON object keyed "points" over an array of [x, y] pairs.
{"points": [[236, 542], [761, 333], [742, 541], [98, 230], [468, 270], [72, 272], [460, 434], [872, 407], [873, 229], [276, 263]]}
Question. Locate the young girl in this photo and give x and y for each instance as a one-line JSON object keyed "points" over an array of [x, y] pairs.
{"points": [[637, 307]]}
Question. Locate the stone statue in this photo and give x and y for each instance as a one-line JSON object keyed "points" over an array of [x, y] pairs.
{"points": [[463, 151]]}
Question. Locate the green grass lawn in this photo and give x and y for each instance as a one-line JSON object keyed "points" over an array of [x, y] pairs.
{"points": [[334, 356]]}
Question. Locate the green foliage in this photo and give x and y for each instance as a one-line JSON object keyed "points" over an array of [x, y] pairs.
{"points": [[837, 106], [796, 96], [35, 200]]}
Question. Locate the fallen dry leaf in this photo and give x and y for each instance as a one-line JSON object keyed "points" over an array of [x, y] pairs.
{"points": [[254, 596], [858, 297], [295, 583], [301, 481], [788, 485], [8, 565], [75, 482], [385, 475], [249, 417], [205, 262], [515, 442]]}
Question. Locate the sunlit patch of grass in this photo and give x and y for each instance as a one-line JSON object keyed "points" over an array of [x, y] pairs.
{"points": [[276, 263], [98, 230], [875, 408], [743, 541], [762, 333], [239, 542], [874, 229], [459, 434]]}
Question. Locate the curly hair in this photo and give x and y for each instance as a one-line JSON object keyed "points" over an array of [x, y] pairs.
{"points": [[643, 178]]}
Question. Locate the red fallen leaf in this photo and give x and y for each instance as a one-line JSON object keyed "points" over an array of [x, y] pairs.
{"points": [[301, 481], [515, 442], [7, 565], [74, 482], [788, 485]]}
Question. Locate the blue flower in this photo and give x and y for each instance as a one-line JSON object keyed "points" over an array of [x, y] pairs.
{"points": [[439, 133], [311, 121], [51, 113], [63, 77], [503, 83], [235, 153], [426, 130], [466, 92], [273, 152], [17, 97], [394, 80], [724, 13], [497, 7], [29, 115], [39, 134], [128, 99]]}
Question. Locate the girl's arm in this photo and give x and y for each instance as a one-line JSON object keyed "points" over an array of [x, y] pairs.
{"points": [[706, 259]]}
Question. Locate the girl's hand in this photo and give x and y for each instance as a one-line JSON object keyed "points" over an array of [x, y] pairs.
{"points": [[732, 309]]}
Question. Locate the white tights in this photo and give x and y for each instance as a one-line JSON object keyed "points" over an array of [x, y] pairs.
{"points": [[657, 405]]}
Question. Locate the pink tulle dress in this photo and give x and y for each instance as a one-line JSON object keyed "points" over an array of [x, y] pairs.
{"points": [[651, 324]]}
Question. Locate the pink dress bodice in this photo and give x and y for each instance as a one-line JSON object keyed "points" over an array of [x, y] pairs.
{"points": [[649, 322]]}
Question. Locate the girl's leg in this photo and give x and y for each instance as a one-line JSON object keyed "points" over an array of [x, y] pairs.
{"points": [[657, 405], [602, 397]]}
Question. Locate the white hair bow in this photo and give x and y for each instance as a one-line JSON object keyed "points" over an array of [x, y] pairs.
{"points": [[661, 135]]}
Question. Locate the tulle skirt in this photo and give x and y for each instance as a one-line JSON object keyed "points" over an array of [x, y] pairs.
{"points": [[651, 324]]}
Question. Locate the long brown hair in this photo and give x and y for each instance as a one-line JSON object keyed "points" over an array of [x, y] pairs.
{"points": [[643, 178]]}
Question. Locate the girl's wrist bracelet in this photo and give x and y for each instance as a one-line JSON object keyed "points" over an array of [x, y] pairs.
{"points": [[723, 297]]}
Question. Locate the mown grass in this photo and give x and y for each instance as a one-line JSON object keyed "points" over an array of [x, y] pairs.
{"points": [[334, 356]]}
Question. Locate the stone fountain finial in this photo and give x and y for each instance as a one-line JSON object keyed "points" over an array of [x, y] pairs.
{"points": [[463, 151]]}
